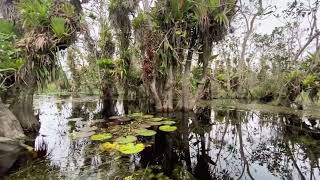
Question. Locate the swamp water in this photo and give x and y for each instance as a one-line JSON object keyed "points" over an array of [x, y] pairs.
{"points": [[213, 143]]}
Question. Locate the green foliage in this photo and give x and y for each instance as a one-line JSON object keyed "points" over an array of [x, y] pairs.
{"points": [[68, 10], [105, 63], [167, 122], [101, 137], [58, 26], [131, 148], [6, 27], [155, 119], [167, 128], [221, 77], [145, 132], [126, 139], [309, 81], [139, 21], [294, 75], [35, 13], [10, 56]]}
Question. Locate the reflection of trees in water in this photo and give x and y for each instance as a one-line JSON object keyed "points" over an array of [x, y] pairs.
{"points": [[242, 144]]}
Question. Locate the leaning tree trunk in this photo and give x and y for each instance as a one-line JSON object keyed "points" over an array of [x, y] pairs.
{"points": [[9, 124]]}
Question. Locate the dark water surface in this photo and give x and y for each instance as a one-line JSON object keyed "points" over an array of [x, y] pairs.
{"points": [[213, 143]]}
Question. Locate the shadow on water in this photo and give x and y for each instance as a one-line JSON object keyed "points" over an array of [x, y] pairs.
{"points": [[211, 143]]}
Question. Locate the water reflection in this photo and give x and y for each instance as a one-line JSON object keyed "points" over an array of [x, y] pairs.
{"points": [[209, 144]]}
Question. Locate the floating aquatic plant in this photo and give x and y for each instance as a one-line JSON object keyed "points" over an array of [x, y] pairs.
{"points": [[168, 122], [136, 115], [148, 116], [109, 146], [167, 128], [126, 139], [131, 148], [101, 137], [145, 132], [156, 119], [154, 123]]}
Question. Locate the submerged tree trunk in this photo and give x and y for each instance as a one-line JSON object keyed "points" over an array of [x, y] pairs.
{"points": [[168, 94], [9, 124], [107, 101], [22, 108]]}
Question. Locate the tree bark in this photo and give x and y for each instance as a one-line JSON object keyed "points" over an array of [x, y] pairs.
{"points": [[168, 100], [22, 108]]}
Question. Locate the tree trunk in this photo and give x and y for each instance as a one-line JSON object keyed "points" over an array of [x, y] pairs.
{"points": [[155, 95], [168, 98], [9, 125], [22, 108], [108, 105]]}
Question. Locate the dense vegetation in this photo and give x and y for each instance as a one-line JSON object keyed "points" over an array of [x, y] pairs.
{"points": [[173, 53]]}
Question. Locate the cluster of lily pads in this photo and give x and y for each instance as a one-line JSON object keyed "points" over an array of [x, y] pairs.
{"points": [[122, 135]]}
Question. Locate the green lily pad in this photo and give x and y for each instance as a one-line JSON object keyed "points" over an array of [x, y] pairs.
{"points": [[145, 132], [168, 122], [136, 115], [101, 137], [126, 139], [148, 116], [145, 125], [167, 128], [154, 123], [131, 148], [156, 119]]}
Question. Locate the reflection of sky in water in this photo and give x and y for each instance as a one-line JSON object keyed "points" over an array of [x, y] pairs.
{"points": [[263, 141], [62, 150]]}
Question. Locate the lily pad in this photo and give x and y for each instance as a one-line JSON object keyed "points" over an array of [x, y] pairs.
{"points": [[115, 117], [131, 148], [145, 132], [124, 119], [148, 116], [88, 128], [126, 139], [109, 146], [78, 135], [136, 115], [145, 125], [168, 128], [101, 137], [154, 123], [156, 119], [168, 122]]}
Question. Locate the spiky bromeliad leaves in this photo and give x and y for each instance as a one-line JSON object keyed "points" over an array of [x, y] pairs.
{"points": [[50, 26]]}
